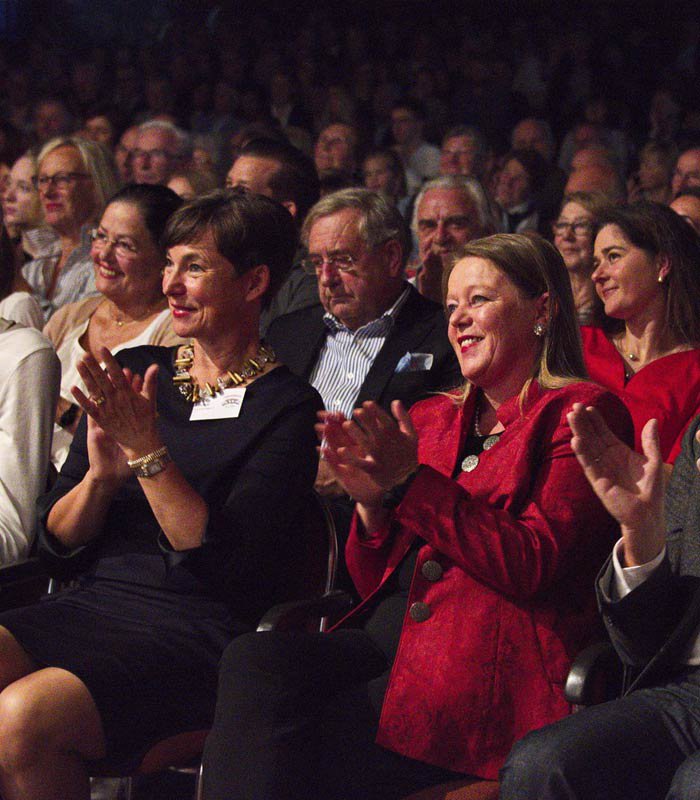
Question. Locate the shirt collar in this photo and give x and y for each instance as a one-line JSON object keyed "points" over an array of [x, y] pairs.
{"points": [[380, 325]]}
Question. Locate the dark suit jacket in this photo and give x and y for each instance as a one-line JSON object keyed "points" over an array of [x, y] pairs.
{"points": [[652, 626], [420, 327]]}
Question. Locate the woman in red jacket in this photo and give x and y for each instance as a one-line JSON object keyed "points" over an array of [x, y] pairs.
{"points": [[474, 546], [648, 351]]}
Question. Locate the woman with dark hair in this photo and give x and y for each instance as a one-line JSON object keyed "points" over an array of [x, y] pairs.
{"points": [[646, 274], [574, 233], [130, 310], [175, 508], [474, 545]]}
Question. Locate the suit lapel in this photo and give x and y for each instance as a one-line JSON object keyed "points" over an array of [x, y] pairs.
{"points": [[409, 330]]}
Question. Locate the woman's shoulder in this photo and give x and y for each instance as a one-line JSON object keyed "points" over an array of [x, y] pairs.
{"points": [[69, 317], [146, 354], [24, 308], [559, 402], [440, 404], [282, 385]]}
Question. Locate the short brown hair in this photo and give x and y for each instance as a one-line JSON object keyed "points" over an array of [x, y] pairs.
{"points": [[248, 230]]}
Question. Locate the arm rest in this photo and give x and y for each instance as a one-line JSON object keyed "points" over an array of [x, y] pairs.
{"points": [[595, 676], [305, 614]]}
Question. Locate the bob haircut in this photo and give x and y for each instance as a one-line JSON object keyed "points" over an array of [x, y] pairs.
{"points": [[661, 232], [155, 204], [248, 230], [596, 203], [379, 221], [97, 161], [534, 267]]}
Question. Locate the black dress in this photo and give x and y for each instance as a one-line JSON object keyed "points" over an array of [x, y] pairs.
{"points": [[146, 625]]}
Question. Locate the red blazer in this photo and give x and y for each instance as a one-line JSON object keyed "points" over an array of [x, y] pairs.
{"points": [[667, 389], [519, 541]]}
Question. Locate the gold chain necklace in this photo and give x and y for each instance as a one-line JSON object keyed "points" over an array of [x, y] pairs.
{"points": [[193, 392]]}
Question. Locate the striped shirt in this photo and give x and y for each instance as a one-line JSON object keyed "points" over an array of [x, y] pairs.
{"points": [[347, 356], [76, 279]]}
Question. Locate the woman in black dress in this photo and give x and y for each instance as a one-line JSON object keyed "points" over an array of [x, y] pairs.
{"points": [[175, 507]]}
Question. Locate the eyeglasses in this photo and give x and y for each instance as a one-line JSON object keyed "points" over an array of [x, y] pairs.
{"points": [[581, 227], [121, 246], [154, 154], [61, 180], [343, 262]]}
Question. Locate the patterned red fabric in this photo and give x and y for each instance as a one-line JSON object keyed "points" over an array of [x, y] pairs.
{"points": [[520, 540], [667, 389]]}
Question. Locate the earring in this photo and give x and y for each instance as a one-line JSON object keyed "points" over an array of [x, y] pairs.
{"points": [[539, 329], [660, 279]]}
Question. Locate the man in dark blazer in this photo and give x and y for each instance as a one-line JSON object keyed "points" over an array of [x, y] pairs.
{"points": [[414, 358], [375, 337], [645, 745]]}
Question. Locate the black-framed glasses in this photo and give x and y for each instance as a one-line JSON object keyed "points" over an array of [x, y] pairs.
{"points": [[343, 262], [61, 180]]}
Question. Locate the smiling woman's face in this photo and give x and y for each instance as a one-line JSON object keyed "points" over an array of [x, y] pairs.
{"points": [[491, 327]]}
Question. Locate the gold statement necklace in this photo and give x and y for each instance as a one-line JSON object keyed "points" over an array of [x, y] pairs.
{"points": [[193, 392]]}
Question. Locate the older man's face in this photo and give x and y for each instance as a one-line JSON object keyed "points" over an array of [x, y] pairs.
{"points": [[446, 219], [688, 207], [366, 290], [153, 159]]}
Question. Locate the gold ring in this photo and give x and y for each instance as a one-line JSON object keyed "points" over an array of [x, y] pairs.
{"points": [[97, 400]]}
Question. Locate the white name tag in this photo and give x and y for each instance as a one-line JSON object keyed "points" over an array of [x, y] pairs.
{"points": [[225, 405]]}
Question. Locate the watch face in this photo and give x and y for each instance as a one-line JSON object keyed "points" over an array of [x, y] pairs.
{"points": [[153, 468]]}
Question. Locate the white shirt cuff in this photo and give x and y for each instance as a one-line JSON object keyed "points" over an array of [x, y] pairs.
{"points": [[628, 578]]}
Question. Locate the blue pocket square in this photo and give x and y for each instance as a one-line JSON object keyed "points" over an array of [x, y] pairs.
{"points": [[415, 362]]}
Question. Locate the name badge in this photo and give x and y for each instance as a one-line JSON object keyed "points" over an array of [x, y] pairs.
{"points": [[225, 405]]}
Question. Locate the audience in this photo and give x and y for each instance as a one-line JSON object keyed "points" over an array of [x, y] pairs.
{"points": [[648, 351], [574, 234], [129, 309], [687, 171], [160, 149], [285, 174], [646, 744], [178, 109], [687, 204], [448, 212], [29, 378], [463, 553], [176, 519], [75, 178]]}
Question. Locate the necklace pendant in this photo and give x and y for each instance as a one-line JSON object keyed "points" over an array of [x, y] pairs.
{"points": [[633, 357], [470, 463]]}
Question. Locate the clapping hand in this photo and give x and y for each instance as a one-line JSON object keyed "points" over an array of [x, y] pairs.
{"points": [[122, 411], [630, 485], [372, 452]]}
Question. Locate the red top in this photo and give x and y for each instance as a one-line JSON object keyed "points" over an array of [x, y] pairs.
{"points": [[667, 389], [519, 541]]}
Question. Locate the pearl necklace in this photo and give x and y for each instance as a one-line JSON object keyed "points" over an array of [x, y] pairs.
{"points": [[193, 392]]}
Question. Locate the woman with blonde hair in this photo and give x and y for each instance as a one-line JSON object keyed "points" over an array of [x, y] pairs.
{"points": [[75, 178], [474, 545]]}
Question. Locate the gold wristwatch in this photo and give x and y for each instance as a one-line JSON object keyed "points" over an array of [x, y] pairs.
{"points": [[151, 464]]}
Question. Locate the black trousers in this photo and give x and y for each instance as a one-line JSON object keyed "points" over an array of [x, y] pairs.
{"points": [[295, 720], [645, 746]]}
